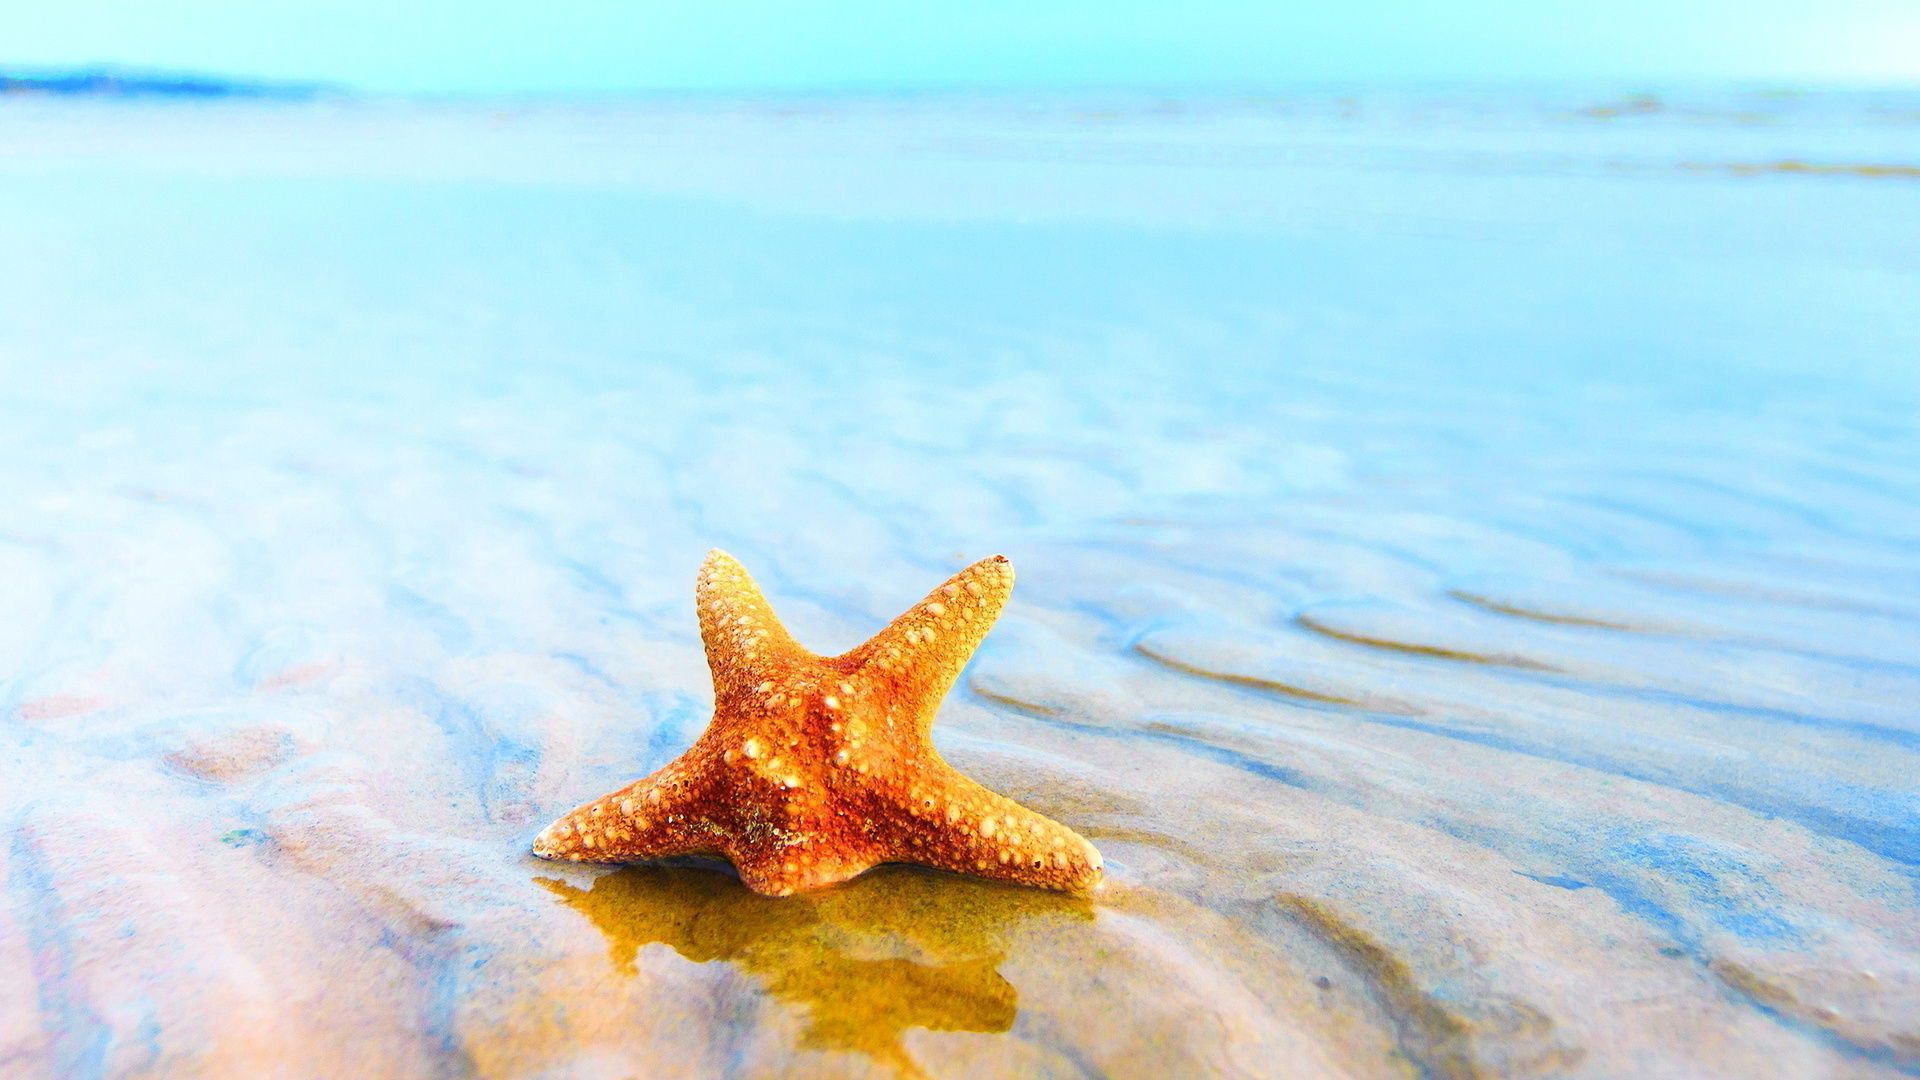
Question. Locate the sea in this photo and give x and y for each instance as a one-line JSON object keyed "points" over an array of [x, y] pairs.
{"points": [[1468, 553]]}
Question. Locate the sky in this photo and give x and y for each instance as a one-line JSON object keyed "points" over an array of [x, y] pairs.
{"points": [[603, 46]]}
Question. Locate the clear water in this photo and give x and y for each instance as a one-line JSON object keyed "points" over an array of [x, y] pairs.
{"points": [[1469, 558]]}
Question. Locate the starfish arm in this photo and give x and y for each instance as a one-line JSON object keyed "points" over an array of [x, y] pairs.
{"points": [[667, 813], [746, 644], [953, 823], [919, 655]]}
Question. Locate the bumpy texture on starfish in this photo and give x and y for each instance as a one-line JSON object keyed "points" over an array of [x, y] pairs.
{"points": [[816, 768]]}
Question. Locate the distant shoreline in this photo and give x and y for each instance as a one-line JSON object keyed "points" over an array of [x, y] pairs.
{"points": [[110, 82], [1598, 98]]}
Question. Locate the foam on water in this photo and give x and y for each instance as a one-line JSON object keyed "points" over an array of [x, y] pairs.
{"points": [[1468, 559]]}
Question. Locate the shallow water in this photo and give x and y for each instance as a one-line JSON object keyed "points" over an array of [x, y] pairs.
{"points": [[1469, 559]]}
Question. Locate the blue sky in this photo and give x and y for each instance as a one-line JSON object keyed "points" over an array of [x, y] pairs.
{"points": [[576, 46]]}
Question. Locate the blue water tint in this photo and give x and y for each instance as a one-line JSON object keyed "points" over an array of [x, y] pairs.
{"points": [[1405, 492], [1711, 880], [1556, 880]]}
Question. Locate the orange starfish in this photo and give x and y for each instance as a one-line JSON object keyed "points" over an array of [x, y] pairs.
{"points": [[816, 768]]}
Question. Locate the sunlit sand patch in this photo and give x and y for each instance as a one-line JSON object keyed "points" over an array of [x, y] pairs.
{"points": [[59, 706], [231, 755], [297, 675]]}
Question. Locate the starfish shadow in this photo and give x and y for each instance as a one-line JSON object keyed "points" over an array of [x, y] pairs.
{"points": [[897, 948]]}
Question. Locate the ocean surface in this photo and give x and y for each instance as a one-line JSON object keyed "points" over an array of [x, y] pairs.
{"points": [[1468, 552]]}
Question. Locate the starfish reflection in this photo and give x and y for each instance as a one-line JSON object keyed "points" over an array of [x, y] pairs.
{"points": [[898, 948]]}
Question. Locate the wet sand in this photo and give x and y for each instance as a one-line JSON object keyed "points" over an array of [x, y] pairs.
{"points": [[1469, 579]]}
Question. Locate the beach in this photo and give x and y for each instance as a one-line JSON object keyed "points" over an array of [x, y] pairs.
{"points": [[1468, 554]]}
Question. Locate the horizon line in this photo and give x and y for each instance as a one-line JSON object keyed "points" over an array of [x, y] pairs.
{"points": [[140, 79]]}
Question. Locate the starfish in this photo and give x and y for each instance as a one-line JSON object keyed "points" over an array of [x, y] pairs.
{"points": [[816, 768]]}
